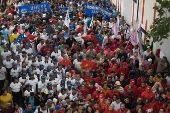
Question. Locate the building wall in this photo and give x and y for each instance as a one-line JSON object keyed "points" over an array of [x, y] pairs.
{"points": [[148, 17]]}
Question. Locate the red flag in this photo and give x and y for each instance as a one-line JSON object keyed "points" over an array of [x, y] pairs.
{"points": [[31, 37], [87, 64], [91, 37]]}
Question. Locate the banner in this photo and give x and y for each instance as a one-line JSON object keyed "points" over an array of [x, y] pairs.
{"points": [[87, 64], [41, 8], [92, 10], [64, 9]]}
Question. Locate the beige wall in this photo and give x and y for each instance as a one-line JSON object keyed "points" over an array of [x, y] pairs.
{"points": [[126, 11]]}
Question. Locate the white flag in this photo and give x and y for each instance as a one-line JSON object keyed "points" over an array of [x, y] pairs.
{"points": [[161, 54], [91, 24], [67, 19]]}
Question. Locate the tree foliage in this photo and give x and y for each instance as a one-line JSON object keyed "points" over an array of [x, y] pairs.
{"points": [[161, 27]]}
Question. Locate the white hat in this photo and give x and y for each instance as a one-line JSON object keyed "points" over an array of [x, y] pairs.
{"points": [[9, 14], [43, 15], [2, 26], [149, 60], [61, 17], [117, 83]]}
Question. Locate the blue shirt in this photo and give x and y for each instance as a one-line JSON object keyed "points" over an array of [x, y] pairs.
{"points": [[5, 33]]}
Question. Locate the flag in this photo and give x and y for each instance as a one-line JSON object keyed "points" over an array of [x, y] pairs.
{"points": [[31, 37], [99, 37], [133, 38], [67, 19], [161, 54], [12, 37], [20, 38], [87, 64], [85, 26], [137, 15], [91, 24], [140, 39], [115, 29], [91, 37]]}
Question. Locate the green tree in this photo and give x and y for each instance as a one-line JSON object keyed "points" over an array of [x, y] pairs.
{"points": [[161, 26]]}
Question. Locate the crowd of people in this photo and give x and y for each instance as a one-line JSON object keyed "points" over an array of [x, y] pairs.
{"points": [[45, 74]]}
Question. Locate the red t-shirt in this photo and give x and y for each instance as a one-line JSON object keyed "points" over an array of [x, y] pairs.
{"points": [[96, 95], [140, 90], [125, 71], [91, 90], [149, 96], [87, 79], [149, 108], [66, 62], [44, 50], [111, 93], [99, 80], [134, 88], [159, 106]]}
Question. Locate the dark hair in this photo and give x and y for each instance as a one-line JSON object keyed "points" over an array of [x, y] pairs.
{"points": [[2, 91], [42, 104], [90, 107]]}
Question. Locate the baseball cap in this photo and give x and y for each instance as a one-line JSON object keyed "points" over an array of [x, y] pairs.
{"points": [[148, 88], [68, 83], [28, 85], [117, 83], [44, 71], [15, 77], [101, 96], [52, 75], [49, 84], [57, 107], [54, 72], [125, 64], [132, 81], [62, 83], [43, 77]]}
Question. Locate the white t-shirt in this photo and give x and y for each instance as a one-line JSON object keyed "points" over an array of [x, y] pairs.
{"points": [[77, 64], [5, 54], [15, 72], [14, 46], [116, 105], [28, 50], [2, 73], [8, 64], [33, 83], [15, 86], [60, 95], [27, 93], [56, 55], [42, 86], [45, 111]]}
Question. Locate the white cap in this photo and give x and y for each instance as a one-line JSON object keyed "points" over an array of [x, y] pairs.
{"points": [[2, 26], [9, 14], [149, 60], [117, 83], [43, 15], [61, 17]]}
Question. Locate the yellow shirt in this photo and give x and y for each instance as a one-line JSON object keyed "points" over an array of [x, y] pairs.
{"points": [[5, 99]]}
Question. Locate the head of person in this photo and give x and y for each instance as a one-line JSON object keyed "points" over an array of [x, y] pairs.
{"points": [[16, 79], [3, 92], [122, 106], [43, 106], [29, 106]]}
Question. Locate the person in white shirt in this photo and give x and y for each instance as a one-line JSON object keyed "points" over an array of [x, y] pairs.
{"points": [[14, 45], [23, 79], [117, 103], [32, 80], [42, 85], [77, 62], [28, 90], [15, 90], [15, 71], [5, 53], [56, 53], [62, 95], [73, 95], [146, 53], [27, 49], [42, 109], [3, 74]]}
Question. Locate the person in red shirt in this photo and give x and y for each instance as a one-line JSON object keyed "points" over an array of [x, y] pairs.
{"points": [[107, 105], [91, 88], [132, 85], [100, 79], [149, 107], [87, 77], [141, 79], [124, 69], [141, 89], [122, 109], [111, 109], [97, 107], [113, 92], [84, 91], [149, 65], [148, 95], [46, 48], [159, 105], [102, 101], [167, 109], [25, 41], [66, 62], [97, 93]]}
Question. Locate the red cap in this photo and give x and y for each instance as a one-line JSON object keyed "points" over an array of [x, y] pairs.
{"points": [[101, 96], [132, 81], [148, 88], [72, 71], [125, 64]]}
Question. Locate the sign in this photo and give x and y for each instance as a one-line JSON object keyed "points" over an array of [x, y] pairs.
{"points": [[64, 9], [94, 9], [41, 8]]}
